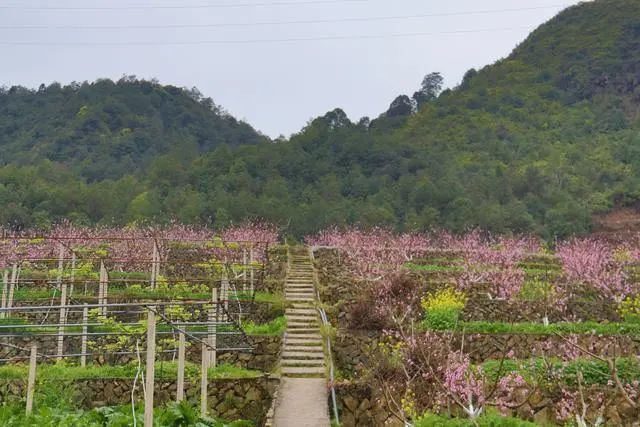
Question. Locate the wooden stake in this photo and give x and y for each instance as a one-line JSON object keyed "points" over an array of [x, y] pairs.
{"points": [[181, 351], [203, 382], [31, 382], [83, 348], [150, 368]]}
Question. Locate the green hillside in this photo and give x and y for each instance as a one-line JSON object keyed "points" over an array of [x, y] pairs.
{"points": [[537, 142]]}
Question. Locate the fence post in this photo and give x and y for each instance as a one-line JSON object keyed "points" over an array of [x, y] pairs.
{"points": [[31, 382], [83, 347], [251, 281], [73, 272], [63, 302], [244, 269], [5, 286], [150, 367], [224, 296], [203, 381], [155, 264], [212, 329], [181, 351], [104, 284], [12, 284]]}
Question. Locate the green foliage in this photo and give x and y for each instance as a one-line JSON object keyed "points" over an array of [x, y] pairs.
{"points": [[480, 327], [593, 371], [62, 371], [442, 309], [172, 415], [537, 142], [489, 420]]}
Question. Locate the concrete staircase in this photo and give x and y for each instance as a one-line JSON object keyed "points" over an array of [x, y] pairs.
{"points": [[302, 355], [302, 399]]}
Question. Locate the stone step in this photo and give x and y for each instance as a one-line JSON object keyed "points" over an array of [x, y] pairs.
{"points": [[301, 302], [296, 333], [306, 312], [292, 371], [302, 355], [303, 295], [307, 335], [312, 337], [303, 342], [309, 349], [305, 323], [302, 305], [302, 362]]}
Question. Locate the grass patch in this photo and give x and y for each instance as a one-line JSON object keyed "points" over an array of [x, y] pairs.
{"points": [[432, 268], [487, 420], [593, 371], [274, 328], [164, 370], [541, 329]]}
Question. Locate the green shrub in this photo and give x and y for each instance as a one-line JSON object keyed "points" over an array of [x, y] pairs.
{"points": [[488, 420]]}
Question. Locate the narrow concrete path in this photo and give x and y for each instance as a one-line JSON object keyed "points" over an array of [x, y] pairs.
{"points": [[302, 396]]}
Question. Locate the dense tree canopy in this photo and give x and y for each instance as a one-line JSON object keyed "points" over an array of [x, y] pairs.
{"points": [[538, 142]]}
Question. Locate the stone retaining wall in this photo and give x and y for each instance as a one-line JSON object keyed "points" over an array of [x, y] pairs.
{"points": [[264, 357], [362, 406], [353, 349], [228, 399]]}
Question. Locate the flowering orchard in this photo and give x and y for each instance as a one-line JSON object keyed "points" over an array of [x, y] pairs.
{"points": [[474, 323]]}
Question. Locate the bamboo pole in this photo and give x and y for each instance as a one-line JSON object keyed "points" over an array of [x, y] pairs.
{"points": [[83, 350], [31, 382], [180, 382], [203, 382], [150, 367]]}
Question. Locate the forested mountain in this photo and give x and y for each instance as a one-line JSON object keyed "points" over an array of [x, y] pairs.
{"points": [[107, 129], [538, 142]]}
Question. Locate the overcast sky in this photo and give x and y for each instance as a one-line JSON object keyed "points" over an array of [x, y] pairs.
{"points": [[359, 59]]}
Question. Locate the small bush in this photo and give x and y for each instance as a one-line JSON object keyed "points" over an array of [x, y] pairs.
{"points": [[442, 309]]}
